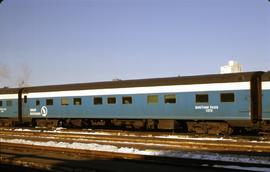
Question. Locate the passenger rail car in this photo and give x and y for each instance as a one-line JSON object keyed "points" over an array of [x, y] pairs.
{"points": [[8, 106], [203, 104]]}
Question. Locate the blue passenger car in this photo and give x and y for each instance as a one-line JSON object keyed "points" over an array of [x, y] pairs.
{"points": [[8, 103], [8, 106], [203, 104], [197, 102]]}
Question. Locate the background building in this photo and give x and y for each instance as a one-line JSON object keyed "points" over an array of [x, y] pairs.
{"points": [[232, 67]]}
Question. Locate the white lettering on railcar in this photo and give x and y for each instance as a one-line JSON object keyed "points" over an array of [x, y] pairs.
{"points": [[3, 110], [43, 111], [33, 111], [207, 108]]}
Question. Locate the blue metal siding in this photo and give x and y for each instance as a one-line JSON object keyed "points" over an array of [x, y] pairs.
{"points": [[239, 109], [266, 105], [184, 108], [9, 111]]}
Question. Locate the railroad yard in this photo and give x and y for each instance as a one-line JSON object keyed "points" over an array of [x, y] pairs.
{"points": [[63, 149], [134, 86]]}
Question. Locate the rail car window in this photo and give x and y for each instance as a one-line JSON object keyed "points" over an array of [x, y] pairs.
{"points": [[64, 101], [1, 103], [170, 99], [77, 101], [127, 100], [9, 102], [227, 97], [49, 102], [201, 98], [25, 99], [152, 99], [97, 100], [111, 100], [37, 102]]}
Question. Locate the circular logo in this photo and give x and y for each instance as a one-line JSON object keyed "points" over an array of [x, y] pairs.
{"points": [[44, 111]]}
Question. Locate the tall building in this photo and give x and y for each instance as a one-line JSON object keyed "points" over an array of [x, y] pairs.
{"points": [[232, 67]]}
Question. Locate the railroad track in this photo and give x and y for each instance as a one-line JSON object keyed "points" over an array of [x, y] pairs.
{"points": [[144, 142], [63, 159]]}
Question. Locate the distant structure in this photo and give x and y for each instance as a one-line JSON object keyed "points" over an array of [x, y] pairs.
{"points": [[232, 67], [116, 79]]}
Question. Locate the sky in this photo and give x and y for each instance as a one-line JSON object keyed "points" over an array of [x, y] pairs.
{"points": [[49, 42]]}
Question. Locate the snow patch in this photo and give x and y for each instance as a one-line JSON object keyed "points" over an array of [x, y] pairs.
{"points": [[164, 153], [20, 129], [261, 169], [192, 138]]}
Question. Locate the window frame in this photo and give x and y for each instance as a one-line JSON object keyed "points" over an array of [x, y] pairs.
{"points": [[64, 101], [97, 100], [111, 102], [199, 99], [169, 97], [48, 100], [37, 102], [1, 103], [9, 103], [76, 100], [127, 100], [154, 97], [225, 99], [25, 99]]}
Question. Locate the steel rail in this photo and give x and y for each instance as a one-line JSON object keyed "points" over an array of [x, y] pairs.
{"points": [[146, 142]]}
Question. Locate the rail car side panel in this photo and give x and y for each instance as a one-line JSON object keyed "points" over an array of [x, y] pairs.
{"points": [[185, 107], [183, 88], [266, 100], [9, 106]]}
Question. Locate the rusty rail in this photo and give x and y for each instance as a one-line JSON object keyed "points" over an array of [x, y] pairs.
{"points": [[144, 142]]}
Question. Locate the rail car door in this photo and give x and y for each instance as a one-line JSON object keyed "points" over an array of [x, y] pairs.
{"points": [[23, 106]]}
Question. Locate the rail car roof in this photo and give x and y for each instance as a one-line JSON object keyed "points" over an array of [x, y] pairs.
{"points": [[9, 90], [199, 79], [266, 76]]}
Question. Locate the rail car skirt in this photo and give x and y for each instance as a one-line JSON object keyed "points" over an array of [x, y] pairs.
{"points": [[209, 127], [50, 123], [265, 127], [166, 124], [7, 122]]}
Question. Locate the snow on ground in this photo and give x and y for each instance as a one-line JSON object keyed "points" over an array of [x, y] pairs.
{"points": [[59, 130], [243, 168], [21, 129], [194, 138], [164, 153]]}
